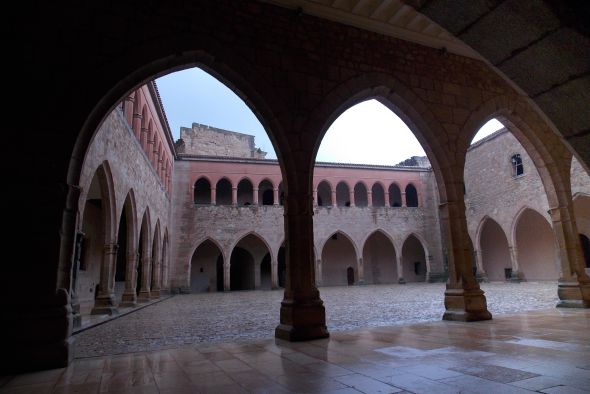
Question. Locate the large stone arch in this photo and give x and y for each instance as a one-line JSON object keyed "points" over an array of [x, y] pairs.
{"points": [[420, 273], [203, 280], [493, 249], [257, 253], [144, 267], [380, 263], [338, 275]]}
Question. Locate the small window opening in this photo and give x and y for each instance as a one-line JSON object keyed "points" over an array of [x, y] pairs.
{"points": [[517, 168]]}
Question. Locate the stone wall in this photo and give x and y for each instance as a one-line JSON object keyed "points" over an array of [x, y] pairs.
{"points": [[115, 147], [210, 141]]}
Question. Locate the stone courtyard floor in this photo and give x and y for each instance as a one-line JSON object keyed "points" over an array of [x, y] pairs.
{"points": [[242, 316]]}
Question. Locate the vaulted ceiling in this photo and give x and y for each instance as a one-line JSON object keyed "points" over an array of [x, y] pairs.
{"points": [[541, 46]]}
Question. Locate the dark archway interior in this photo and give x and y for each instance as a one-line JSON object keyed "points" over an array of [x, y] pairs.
{"points": [[241, 270]]}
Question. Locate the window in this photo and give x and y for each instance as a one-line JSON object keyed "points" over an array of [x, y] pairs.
{"points": [[517, 169]]}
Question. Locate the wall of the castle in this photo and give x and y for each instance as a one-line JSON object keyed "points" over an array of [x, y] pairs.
{"points": [[116, 149], [210, 141]]}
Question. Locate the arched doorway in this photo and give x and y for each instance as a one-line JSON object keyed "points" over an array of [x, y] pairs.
{"points": [[265, 273], [413, 260], [338, 255], [265, 193], [379, 259], [342, 195], [535, 243], [223, 192], [495, 254], [324, 194], [202, 192], [245, 192], [246, 261], [360, 195], [378, 195], [204, 276], [411, 196], [395, 196]]}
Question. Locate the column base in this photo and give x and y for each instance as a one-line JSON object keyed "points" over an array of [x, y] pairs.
{"points": [[401, 281], [466, 305], [155, 294], [302, 321], [105, 305], [573, 294], [143, 296], [481, 277], [129, 299], [27, 347]]}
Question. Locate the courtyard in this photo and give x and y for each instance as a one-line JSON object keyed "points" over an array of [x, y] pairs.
{"points": [[207, 318]]}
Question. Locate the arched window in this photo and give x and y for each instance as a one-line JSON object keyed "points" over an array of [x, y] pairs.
{"points": [[360, 195], [245, 192], [265, 193], [202, 191], [223, 193], [342, 195], [411, 196], [517, 168], [378, 195], [395, 196], [324, 194]]}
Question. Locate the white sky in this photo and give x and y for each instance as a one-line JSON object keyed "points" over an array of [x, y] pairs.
{"points": [[194, 96]]}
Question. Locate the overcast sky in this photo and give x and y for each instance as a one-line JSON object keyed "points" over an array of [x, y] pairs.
{"points": [[195, 96]]}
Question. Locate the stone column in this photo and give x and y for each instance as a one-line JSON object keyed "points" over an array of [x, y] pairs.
{"points": [[151, 151], [274, 273], [128, 109], [369, 198], [255, 196], [275, 196], [315, 197], [136, 126], [75, 303], [387, 201], [105, 301], [234, 196], [351, 197], [400, 270], [464, 300], [144, 140], [361, 271], [574, 284], [213, 196], [403, 199], [156, 277], [303, 315], [146, 273], [334, 198], [129, 296], [515, 275], [226, 275]]}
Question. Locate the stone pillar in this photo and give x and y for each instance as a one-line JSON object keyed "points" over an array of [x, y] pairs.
{"points": [[144, 140], [464, 300], [128, 109], [481, 275], [226, 275], [151, 151], [136, 126], [156, 277], [275, 196], [351, 197], [213, 196], [361, 271], [400, 270], [129, 296], [105, 303], [255, 196], [315, 197], [75, 303], [303, 316], [234, 196], [515, 275], [146, 273], [574, 284], [369, 198], [403, 199], [387, 201], [334, 198], [274, 273]]}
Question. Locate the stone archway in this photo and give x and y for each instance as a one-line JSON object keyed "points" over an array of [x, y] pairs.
{"points": [[413, 260], [379, 259], [535, 242], [204, 275], [246, 259], [338, 254], [495, 254]]}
